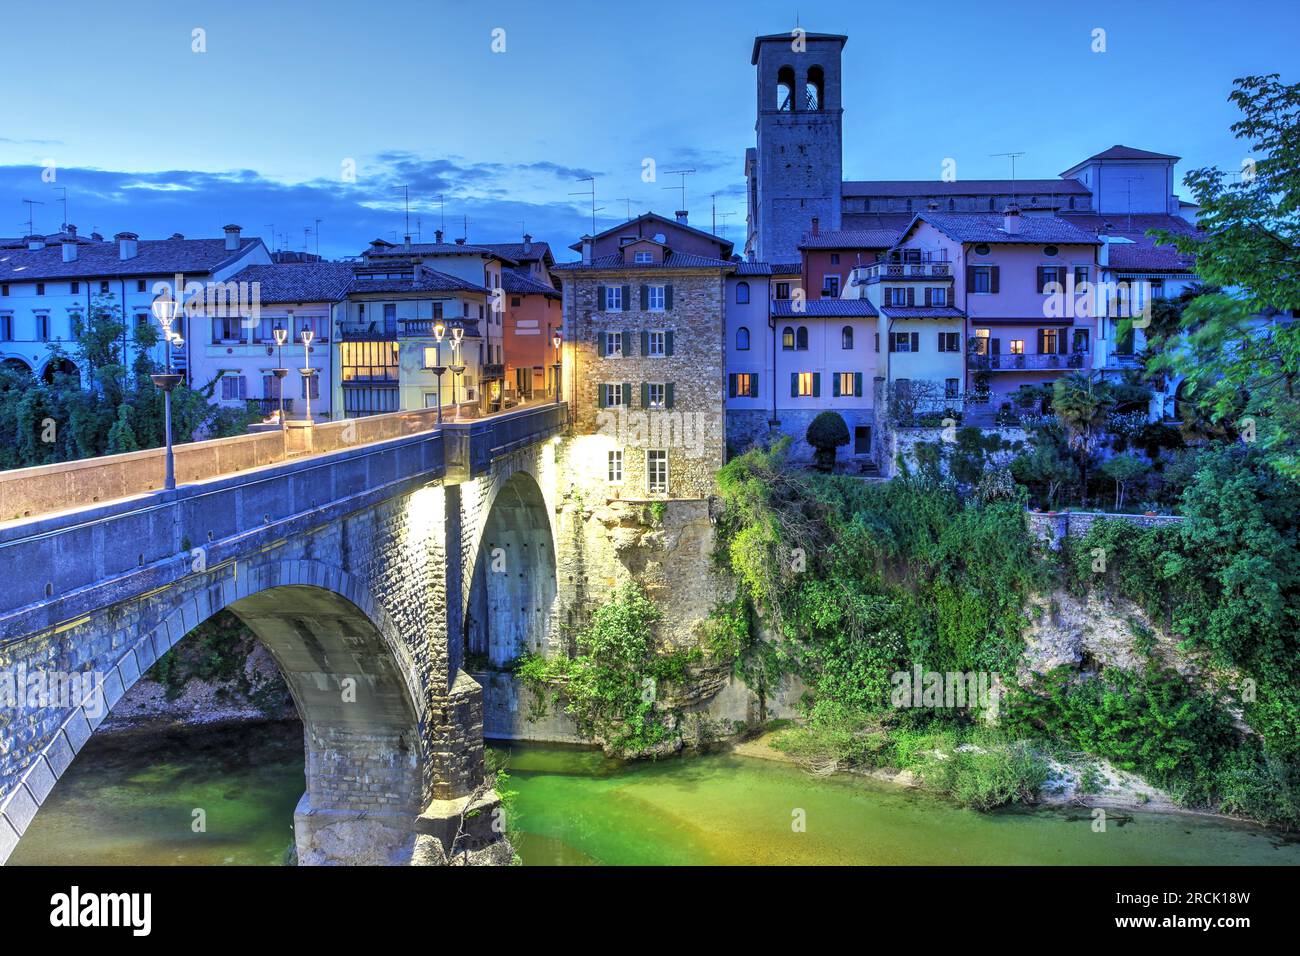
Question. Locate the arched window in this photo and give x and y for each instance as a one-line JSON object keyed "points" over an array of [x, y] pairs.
{"points": [[952, 204], [814, 89], [742, 293], [742, 339], [785, 89], [787, 338], [801, 339], [846, 337]]}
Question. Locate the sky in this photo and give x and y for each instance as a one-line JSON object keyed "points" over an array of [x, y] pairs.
{"points": [[489, 115]]}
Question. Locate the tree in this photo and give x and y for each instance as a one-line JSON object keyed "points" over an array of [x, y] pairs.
{"points": [[827, 433], [1240, 366], [1081, 406], [121, 437], [1044, 467], [1123, 469]]}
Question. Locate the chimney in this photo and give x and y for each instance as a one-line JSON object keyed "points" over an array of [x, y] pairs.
{"points": [[406, 243], [460, 241], [70, 245], [126, 245], [437, 236], [817, 225], [232, 237], [70, 229], [178, 235], [528, 243], [681, 216], [97, 237], [1103, 251], [586, 250], [1011, 219], [932, 205], [35, 243]]}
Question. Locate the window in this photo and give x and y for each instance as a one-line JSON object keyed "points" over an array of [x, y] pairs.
{"points": [[939, 296], [806, 384], [982, 249], [1050, 251], [743, 385], [1017, 347], [615, 471], [801, 339], [1080, 275], [141, 318], [899, 296], [1048, 275], [656, 472], [613, 394], [271, 387], [7, 327], [783, 290], [654, 395], [787, 339], [390, 318], [318, 325], [876, 338], [139, 285], [613, 344], [1157, 288], [835, 258], [951, 388], [742, 339], [847, 383], [1050, 341], [74, 287], [742, 293], [831, 286], [656, 343], [613, 298], [904, 341], [785, 89], [42, 326], [40, 288], [981, 278], [103, 288], [846, 337], [814, 89], [4, 289], [1080, 340], [949, 341], [643, 258], [369, 362], [227, 329], [655, 298], [234, 387], [516, 301]]}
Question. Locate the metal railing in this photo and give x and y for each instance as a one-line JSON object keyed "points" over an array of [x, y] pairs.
{"points": [[1016, 363]]}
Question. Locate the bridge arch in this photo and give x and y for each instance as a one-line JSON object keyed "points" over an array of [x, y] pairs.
{"points": [[351, 682], [514, 585]]}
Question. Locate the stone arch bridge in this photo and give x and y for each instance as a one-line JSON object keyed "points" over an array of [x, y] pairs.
{"points": [[361, 553]]}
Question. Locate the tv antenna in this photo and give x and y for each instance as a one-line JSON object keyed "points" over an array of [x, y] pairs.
{"points": [[628, 200], [442, 213], [592, 193], [31, 219], [318, 222], [1012, 157], [406, 191], [1128, 197], [271, 226], [64, 200], [683, 173]]}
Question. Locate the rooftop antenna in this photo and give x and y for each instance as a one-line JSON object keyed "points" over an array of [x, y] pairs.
{"points": [[628, 200], [31, 220], [464, 226], [1128, 197], [271, 226], [64, 200], [419, 229], [318, 222], [683, 173], [725, 216], [442, 213], [406, 191], [1012, 157], [592, 194]]}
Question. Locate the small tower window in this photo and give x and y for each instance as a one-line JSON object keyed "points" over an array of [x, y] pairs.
{"points": [[742, 293], [814, 89], [846, 337], [785, 89], [742, 339]]}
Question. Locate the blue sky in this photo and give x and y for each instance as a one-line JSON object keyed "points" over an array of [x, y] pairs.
{"points": [[148, 136]]}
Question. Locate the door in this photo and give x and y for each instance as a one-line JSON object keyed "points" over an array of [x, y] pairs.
{"points": [[862, 440]]}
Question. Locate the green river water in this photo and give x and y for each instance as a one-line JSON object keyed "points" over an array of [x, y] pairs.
{"points": [[131, 800]]}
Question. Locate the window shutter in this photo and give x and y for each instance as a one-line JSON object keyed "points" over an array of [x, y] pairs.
{"points": [[1042, 278], [600, 298], [731, 385], [668, 297], [668, 395], [817, 384], [835, 386], [916, 341], [627, 297], [600, 396], [753, 385], [645, 297], [645, 394], [668, 342], [857, 384], [645, 342], [970, 278], [891, 342], [928, 295], [627, 343], [1060, 341], [794, 384], [993, 278], [911, 295], [627, 394], [600, 343]]}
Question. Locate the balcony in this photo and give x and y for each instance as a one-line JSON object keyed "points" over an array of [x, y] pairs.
{"points": [[269, 406], [491, 371], [1020, 363], [936, 269], [376, 331]]}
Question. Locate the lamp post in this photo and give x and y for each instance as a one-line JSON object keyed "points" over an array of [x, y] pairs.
{"points": [[281, 336], [457, 367], [437, 368], [306, 370], [556, 340], [165, 308]]}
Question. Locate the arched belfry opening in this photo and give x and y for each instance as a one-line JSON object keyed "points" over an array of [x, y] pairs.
{"points": [[514, 585], [785, 89], [815, 89]]}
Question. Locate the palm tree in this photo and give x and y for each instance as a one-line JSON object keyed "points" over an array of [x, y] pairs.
{"points": [[1081, 405]]}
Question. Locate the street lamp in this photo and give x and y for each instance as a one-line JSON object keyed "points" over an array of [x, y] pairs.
{"points": [[437, 368], [556, 341], [457, 366], [306, 370], [281, 336], [165, 308]]}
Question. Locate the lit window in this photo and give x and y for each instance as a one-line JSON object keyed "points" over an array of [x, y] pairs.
{"points": [[845, 382], [743, 385], [804, 387], [1017, 347], [615, 465], [787, 339], [656, 470]]}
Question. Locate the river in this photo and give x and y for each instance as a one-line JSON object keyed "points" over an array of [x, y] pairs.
{"points": [[131, 799]]}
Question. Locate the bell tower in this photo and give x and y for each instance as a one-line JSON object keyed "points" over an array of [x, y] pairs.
{"points": [[797, 170]]}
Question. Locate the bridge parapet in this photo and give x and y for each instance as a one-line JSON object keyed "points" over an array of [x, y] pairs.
{"points": [[472, 446]]}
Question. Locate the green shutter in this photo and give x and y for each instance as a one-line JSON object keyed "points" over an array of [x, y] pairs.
{"points": [[600, 343], [645, 394], [817, 384], [835, 386], [627, 343], [993, 278], [645, 297], [600, 395], [753, 385], [916, 341], [794, 384], [857, 384], [627, 394], [668, 297], [668, 342], [668, 395], [645, 342], [731, 385], [627, 298], [600, 298]]}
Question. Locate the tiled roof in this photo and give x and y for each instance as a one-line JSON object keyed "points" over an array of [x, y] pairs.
{"points": [[520, 283], [823, 308], [674, 260], [515, 250], [97, 260], [1128, 152], [623, 226], [988, 227], [430, 281], [852, 239], [750, 268], [299, 281], [1140, 253], [922, 312], [787, 268], [433, 249], [917, 188]]}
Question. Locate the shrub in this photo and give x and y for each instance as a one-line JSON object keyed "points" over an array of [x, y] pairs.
{"points": [[827, 433]]}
